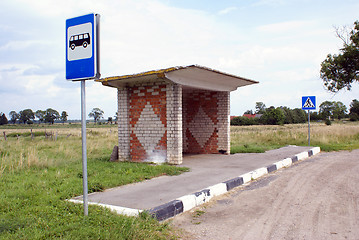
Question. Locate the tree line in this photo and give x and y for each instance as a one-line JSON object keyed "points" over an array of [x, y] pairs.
{"points": [[331, 110], [328, 110], [28, 116]]}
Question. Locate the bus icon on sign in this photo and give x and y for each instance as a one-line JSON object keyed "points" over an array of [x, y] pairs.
{"points": [[79, 40]]}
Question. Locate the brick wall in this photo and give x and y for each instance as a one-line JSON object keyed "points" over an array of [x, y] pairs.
{"points": [[174, 123], [148, 122], [123, 124], [223, 124], [205, 121]]}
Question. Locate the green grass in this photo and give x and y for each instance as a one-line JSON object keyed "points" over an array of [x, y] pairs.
{"points": [[338, 136], [38, 175], [246, 148], [349, 145], [32, 203], [26, 134]]}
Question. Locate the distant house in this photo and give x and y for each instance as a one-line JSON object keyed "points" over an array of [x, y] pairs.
{"points": [[249, 115], [252, 115]]}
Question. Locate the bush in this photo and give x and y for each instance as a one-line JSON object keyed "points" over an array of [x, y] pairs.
{"points": [[353, 117], [244, 121], [315, 116], [328, 122]]}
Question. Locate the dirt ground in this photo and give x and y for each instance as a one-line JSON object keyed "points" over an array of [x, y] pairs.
{"points": [[317, 198]]}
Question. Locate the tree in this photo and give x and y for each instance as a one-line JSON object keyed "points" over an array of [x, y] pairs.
{"points": [[26, 115], [315, 116], [51, 115], [326, 109], [40, 114], [339, 110], [3, 119], [14, 116], [248, 112], [109, 120], [96, 113], [340, 71], [260, 107], [296, 115], [63, 116], [354, 110], [273, 116], [299, 115], [333, 110], [288, 115]]}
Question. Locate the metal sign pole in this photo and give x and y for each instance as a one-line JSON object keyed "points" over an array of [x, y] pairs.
{"points": [[84, 147], [83, 63], [308, 127]]}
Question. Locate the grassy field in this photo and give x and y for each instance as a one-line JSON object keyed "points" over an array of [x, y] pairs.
{"points": [[338, 136], [38, 173]]}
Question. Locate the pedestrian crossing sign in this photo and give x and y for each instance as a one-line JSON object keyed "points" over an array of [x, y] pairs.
{"points": [[308, 103]]}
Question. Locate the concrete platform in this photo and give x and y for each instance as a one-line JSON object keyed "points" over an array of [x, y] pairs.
{"points": [[209, 175]]}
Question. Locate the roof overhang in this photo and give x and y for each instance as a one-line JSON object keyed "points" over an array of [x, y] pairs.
{"points": [[192, 76]]}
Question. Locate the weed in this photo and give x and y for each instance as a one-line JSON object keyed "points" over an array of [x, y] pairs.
{"points": [[198, 213], [95, 187]]}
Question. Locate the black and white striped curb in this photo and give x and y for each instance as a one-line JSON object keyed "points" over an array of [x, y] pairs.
{"points": [[190, 201]]}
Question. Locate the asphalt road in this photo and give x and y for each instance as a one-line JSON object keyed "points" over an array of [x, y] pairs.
{"points": [[317, 198]]}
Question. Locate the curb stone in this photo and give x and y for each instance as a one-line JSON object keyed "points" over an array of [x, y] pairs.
{"points": [[187, 202], [166, 211]]}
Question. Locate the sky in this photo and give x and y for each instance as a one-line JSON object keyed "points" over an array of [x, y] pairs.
{"points": [[279, 43]]}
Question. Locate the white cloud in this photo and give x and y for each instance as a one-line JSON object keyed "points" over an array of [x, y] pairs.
{"points": [[270, 2], [294, 76], [227, 10], [263, 57], [23, 85], [16, 45], [284, 27], [98, 96]]}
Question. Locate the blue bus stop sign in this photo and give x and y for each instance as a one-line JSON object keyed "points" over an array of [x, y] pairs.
{"points": [[82, 47], [308, 103]]}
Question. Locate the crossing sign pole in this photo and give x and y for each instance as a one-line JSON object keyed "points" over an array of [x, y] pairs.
{"points": [[82, 63], [308, 127], [308, 103]]}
